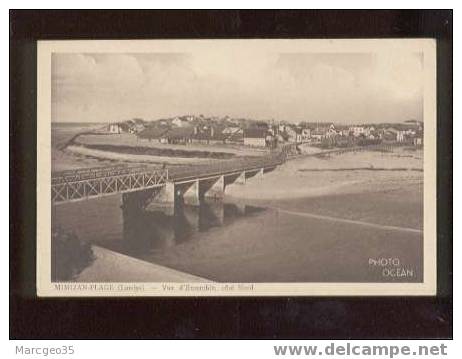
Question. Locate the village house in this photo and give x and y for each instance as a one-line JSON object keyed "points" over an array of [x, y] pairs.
{"points": [[417, 141], [281, 128], [255, 137], [357, 131], [237, 137], [114, 128], [306, 134], [229, 130], [405, 135], [418, 136], [178, 135], [400, 136], [375, 135], [165, 134], [318, 134], [261, 124], [342, 130], [118, 127], [389, 134], [233, 134], [294, 134], [372, 133], [322, 132], [180, 122], [281, 137], [136, 128], [368, 131], [331, 131], [208, 135], [154, 133]]}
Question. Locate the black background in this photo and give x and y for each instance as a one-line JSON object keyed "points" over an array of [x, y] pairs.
{"points": [[280, 317]]}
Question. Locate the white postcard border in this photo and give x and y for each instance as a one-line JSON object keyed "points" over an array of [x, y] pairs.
{"points": [[46, 288]]}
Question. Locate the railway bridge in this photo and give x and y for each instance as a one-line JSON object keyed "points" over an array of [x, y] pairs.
{"points": [[190, 184]]}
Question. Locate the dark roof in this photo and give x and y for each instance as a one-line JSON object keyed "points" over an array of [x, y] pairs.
{"points": [[255, 133], [219, 136], [207, 135], [124, 126], [180, 132], [153, 132], [298, 130]]}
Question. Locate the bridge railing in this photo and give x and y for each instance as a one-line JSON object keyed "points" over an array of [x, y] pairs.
{"points": [[89, 184], [96, 172], [173, 173], [93, 182]]}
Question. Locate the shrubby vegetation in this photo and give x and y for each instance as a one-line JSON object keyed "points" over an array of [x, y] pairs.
{"points": [[69, 255]]}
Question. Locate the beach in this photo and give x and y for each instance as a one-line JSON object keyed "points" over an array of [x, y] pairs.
{"points": [[340, 174]]}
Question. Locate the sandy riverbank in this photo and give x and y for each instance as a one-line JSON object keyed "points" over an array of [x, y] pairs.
{"points": [[110, 266], [68, 156], [136, 158], [341, 174], [131, 140]]}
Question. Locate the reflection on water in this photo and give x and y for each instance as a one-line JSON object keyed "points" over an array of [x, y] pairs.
{"points": [[154, 229], [124, 225]]}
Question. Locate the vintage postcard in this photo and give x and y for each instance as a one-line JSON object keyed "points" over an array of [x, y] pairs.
{"points": [[236, 167]]}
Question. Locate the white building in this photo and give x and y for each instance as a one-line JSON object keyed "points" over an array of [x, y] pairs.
{"points": [[180, 122], [357, 130], [402, 136], [255, 137], [294, 134], [306, 134], [114, 128], [369, 130], [231, 130]]}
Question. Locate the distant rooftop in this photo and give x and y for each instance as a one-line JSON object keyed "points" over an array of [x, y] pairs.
{"points": [[255, 133]]}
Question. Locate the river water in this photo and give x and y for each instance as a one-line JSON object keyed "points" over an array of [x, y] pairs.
{"points": [[337, 238]]}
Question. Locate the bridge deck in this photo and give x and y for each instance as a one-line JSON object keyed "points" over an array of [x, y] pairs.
{"points": [[95, 182], [100, 181]]}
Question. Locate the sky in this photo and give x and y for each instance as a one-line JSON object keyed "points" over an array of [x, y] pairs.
{"points": [[343, 88]]}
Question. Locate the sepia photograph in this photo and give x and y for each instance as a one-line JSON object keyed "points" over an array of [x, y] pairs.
{"points": [[236, 167]]}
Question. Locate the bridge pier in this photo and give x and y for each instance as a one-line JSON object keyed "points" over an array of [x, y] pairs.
{"points": [[189, 192], [163, 199], [235, 178], [213, 188], [240, 179], [254, 174], [135, 200]]}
